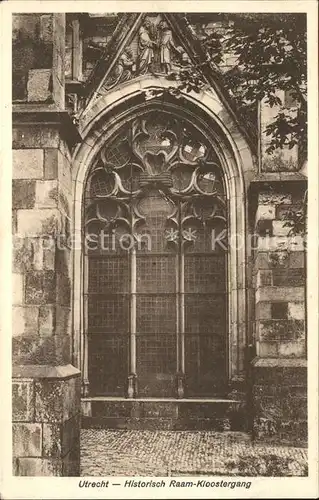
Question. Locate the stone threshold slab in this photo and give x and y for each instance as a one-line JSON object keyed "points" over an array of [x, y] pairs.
{"points": [[161, 400]]}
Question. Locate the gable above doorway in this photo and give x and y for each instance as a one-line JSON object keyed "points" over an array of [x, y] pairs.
{"points": [[126, 47]]}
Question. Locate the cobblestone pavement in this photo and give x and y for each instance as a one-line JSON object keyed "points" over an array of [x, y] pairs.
{"points": [[179, 453]]}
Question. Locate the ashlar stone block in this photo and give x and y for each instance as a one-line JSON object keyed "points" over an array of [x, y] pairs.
{"points": [[17, 288], [39, 467], [27, 439], [22, 400], [46, 194], [296, 310], [27, 164]]}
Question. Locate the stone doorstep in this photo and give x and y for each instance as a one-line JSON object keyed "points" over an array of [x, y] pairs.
{"points": [[178, 424]]}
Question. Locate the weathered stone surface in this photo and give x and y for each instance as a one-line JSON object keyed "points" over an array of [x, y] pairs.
{"points": [[71, 434], [279, 228], [261, 260], [32, 253], [14, 221], [278, 259], [267, 349], [71, 463], [288, 277], [264, 278], [27, 163], [263, 310], [40, 287], [266, 212], [285, 407], [23, 193], [296, 310], [49, 253], [63, 320], [277, 293], [46, 195], [27, 439], [293, 349], [291, 432], [51, 163], [45, 371], [37, 136], [38, 86], [47, 320], [64, 289], [17, 288], [22, 401], [264, 228], [22, 254], [25, 320], [52, 440], [57, 401], [39, 467], [46, 28], [49, 396], [269, 243], [279, 310], [281, 329], [72, 398], [278, 372], [280, 161], [297, 259], [279, 399], [41, 222], [274, 198]]}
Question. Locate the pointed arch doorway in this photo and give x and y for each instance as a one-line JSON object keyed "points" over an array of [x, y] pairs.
{"points": [[155, 231]]}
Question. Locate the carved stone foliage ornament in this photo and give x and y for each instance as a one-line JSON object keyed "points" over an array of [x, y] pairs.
{"points": [[158, 167]]}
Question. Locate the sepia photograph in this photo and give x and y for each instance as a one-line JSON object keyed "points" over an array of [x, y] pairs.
{"points": [[159, 248]]}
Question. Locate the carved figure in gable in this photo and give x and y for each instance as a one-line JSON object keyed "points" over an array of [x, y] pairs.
{"points": [[146, 46], [166, 45], [124, 70]]}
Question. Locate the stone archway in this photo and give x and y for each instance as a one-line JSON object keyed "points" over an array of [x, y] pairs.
{"points": [[98, 125]]}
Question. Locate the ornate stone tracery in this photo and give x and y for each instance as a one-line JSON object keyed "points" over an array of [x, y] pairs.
{"points": [[157, 192]]}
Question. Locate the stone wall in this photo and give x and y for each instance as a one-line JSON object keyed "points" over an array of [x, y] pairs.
{"points": [[283, 159], [279, 389], [42, 337], [46, 421], [46, 387]]}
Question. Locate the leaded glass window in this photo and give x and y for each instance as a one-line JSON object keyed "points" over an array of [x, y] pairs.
{"points": [[155, 238]]}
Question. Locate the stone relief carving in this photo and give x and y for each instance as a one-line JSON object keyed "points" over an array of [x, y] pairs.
{"points": [[152, 50], [125, 69], [146, 47]]}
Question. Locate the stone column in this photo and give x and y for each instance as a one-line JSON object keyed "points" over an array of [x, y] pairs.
{"points": [[46, 387]]}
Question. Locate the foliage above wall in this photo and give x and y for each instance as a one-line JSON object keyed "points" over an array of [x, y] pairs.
{"points": [[269, 55]]}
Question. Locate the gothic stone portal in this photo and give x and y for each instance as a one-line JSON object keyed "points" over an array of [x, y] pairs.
{"points": [[155, 296]]}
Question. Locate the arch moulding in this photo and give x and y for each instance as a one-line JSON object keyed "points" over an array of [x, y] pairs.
{"points": [[99, 122]]}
